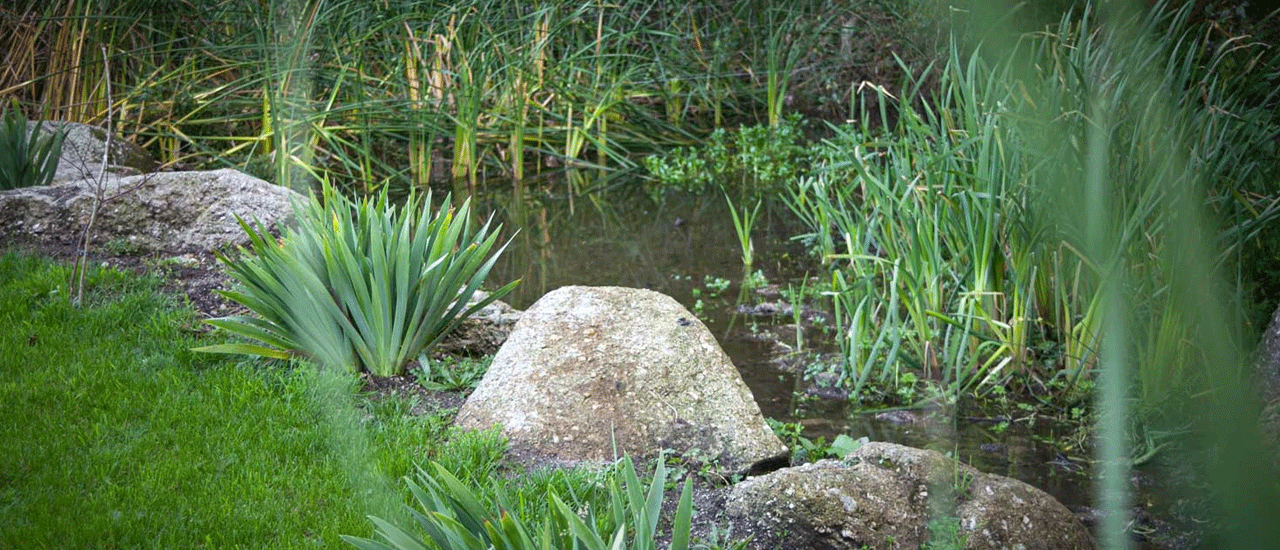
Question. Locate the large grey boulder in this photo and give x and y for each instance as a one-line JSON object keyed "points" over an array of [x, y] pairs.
{"points": [[163, 212], [589, 373], [82, 153], [884, 495]]}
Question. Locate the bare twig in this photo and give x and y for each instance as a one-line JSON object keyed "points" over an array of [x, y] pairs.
{"points": [[82, 261], [99, 196]]}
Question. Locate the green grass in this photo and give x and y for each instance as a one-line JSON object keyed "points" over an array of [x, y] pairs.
{"points": [[117, 436]]}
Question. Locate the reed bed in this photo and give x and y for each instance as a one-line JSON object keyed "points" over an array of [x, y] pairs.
{"points": [[1080, 215], [968, 246], [403, 93]]}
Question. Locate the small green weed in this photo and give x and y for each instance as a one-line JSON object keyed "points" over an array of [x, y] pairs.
{"points": [[715, 285], [451, 373], [946, 533], [120, 247], [804, 449], [755, 279], [719, 538]]}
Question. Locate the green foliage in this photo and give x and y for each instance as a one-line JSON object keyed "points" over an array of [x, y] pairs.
{"points": [[742, 224], [455, 517], [362, 284], [27, 157], [804, 449], [949, 226], [946, 533], [721, 539], [451, 373], [754, 161], [396, 93]]}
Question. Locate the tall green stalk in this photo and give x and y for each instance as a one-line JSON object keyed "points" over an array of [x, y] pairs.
{"points": [[742, 224]]}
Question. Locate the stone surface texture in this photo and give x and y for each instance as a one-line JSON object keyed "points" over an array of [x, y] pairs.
{"points": [[882, 496], [588, 370], [1267, 383], [82, 153], [162, 212], [1267, 373], [143, 210]]}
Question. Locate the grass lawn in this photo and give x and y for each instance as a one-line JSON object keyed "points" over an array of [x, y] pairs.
{"points": [[116, 436]]}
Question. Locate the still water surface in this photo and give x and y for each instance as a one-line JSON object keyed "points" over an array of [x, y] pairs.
{"points": [[625, 239]]}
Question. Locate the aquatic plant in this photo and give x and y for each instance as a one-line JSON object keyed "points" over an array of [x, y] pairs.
{"points": [[742, 224], [942, 224], [754, 161], [1094, 186], [400, 93]]}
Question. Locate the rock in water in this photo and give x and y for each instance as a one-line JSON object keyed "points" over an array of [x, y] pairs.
{"points": [[589, 373], [884, 495]]}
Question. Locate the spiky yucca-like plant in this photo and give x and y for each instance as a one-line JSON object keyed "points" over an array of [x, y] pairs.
{"points": [[27, 158], [364, 284]]}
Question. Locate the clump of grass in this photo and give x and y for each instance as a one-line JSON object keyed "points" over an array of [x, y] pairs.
{"points": [[451, 373], [622, 513]]}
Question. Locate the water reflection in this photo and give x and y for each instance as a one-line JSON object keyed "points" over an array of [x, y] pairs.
{"points": [[625, 239]]}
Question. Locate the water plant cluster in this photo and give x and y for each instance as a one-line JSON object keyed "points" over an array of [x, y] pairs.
{"points": [[947, 223], [393, 93]]}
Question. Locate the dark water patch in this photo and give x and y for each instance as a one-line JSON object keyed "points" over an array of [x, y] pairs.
{"points": [[625, 239]]}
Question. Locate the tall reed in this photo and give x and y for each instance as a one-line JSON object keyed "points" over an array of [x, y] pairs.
{"points": [[1069, 211], [952, 205]]}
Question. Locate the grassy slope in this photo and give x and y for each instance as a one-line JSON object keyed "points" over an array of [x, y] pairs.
{"points": [[116, 436]]}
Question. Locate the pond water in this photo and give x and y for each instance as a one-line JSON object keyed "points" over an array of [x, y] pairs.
{"points": [[687, 248]]}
